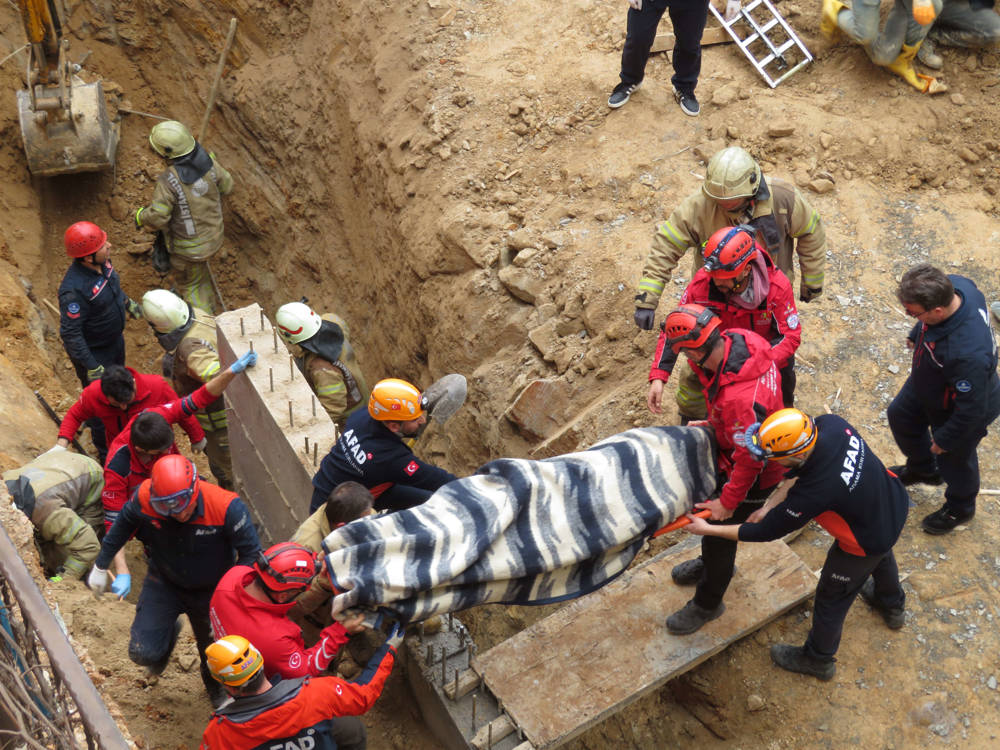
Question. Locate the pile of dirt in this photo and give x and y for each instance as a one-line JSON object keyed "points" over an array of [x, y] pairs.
{"points": [[446, 175]]}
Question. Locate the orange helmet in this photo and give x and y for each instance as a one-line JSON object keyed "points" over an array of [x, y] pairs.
{"points": [[785, 433], [84, 238], [395, 400], [233, 660], [285, 567], [173, 485], [728, 251], [690, 326]]}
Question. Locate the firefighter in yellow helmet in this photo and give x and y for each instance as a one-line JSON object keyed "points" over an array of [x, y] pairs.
{"points": [[187, 208]]}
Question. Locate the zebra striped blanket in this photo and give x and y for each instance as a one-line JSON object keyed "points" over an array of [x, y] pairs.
{"points": [[524, 532]]}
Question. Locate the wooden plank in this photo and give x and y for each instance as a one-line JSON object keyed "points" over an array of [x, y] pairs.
{"points": [[600, 653], [664, 42]]}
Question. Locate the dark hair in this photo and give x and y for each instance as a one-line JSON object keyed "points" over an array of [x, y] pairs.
{"points": [[118, 383], [151, 432], [252, 685], [926, 286], [348, 502]]}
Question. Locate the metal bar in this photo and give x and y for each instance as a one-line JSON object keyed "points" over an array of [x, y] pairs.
{"points": [[63, 659]]}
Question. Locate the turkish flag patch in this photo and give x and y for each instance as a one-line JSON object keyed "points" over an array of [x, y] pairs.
{"points": [[411, 468]]}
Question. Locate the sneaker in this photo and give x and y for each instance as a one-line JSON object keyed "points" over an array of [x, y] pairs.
{"points": [[689, 105], [691, 617], [688, 573], [909, 476], [944, 520], [795, 659], [929, 57], [621, 94], [894, 616]]}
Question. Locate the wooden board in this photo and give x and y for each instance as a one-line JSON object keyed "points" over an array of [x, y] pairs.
{"points": [[600, 653], [713, 35]]}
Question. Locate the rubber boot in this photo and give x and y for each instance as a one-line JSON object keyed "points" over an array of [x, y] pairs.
{"points": [[929, 57], [903, 67], [828, 25]]}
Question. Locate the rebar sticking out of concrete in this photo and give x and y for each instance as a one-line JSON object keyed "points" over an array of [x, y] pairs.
{"points": [[291, 367], [243, 331], [430, 654], [489, 736], [315, 449], [274, 335], [474, 713], [307, 445], [291, 422], [444, 667], [251, 344], [451, 623], [454, 695], [262, 319], [313, 404], [270, 376]]}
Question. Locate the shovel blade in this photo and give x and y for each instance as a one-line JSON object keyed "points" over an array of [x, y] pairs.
{"points": [[446, 395]]}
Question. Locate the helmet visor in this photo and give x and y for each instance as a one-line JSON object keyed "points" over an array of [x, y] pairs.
{"points": [[173, 504]]}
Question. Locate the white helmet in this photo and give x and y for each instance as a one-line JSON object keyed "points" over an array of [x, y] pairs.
{"points": [[297, 322], [731, 173], [164, 310]]}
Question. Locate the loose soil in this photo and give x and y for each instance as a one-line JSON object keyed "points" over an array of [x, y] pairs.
{"points": [[391, 159]]}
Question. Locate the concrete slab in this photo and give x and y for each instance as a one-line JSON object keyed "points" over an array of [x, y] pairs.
{"points": [[600, 653], [272, 412]]}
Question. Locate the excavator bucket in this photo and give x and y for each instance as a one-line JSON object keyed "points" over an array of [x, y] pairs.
{"points": [[67, 139]]}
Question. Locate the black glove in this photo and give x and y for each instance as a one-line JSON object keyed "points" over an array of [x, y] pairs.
{"points": [[809, 293], [644, 318]]}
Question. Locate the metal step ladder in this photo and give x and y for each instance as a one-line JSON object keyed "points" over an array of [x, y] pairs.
{"points": [[782, 51]]}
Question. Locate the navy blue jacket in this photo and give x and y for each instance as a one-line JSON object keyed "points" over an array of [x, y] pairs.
{"points": [[954, 370], [190, 555], [371, 454], [91, 312], [846, 488]]}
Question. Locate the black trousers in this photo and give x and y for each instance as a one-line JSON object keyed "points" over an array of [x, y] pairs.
{"points": [[842, 577], [959, 467], [688, 18], [788, 383]]}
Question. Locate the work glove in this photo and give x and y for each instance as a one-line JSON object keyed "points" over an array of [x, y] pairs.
{"points": [[247, 360], [55, 449], [95, 374], [97, 580], [809, 293], [121, 585], [644, 317], [635, 4], [199, 447], [58, 575], [732, 10], [395, 635], [133, 308]]}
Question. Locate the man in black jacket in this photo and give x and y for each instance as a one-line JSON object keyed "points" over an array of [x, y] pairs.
{"points": [[953, 392], [835, 479]]}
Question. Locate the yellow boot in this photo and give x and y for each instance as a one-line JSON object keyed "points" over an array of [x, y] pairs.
{"points": [[828, 26], [903, 67]]}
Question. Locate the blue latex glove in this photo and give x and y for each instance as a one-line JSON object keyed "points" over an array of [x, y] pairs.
{"points": [[247, 360], [121, 585], [395, 635]]}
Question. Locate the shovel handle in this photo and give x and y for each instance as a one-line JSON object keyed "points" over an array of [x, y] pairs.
{"points": [[681, 522]]}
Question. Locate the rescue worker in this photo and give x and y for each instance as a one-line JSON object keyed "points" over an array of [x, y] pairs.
{"points": [[371, 451], [60, 491], [735, 192], [952, 394], [742, 386], [968, 24], [740, 283], [92, 309], [348, 502], [254, 600], [193, 533], [187, 207], [836, 479], [325, 357], [307, 712], [896, 46], [191, 359], [120, 394]]}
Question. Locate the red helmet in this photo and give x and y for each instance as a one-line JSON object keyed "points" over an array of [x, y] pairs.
{"points": [[728, 251], [690, 326], [173, 485], [286, 567], [84, 238]]}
